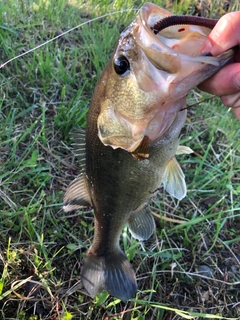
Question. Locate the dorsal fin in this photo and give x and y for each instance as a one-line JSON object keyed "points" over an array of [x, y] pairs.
{"points": [[77, 195], [174, 180], [78, 136]]}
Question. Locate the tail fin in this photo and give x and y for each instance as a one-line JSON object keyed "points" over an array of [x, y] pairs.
{"points": [[112, 273]]}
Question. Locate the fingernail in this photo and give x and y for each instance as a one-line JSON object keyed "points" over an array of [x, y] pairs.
{"points": [[237, 80], [206, 47]]}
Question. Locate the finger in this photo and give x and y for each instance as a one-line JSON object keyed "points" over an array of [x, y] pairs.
{"points": [[225, 35], [236, 111], [233, 100], [225, 82]]}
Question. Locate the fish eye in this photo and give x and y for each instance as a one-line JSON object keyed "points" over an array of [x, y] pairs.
{"points": [[121, 65]]}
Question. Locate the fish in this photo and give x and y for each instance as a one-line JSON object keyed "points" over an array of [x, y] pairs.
{"points": [[128, 148]]}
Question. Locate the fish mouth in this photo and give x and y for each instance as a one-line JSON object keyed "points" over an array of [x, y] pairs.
{"points": [[165, 67], [175, 47]]}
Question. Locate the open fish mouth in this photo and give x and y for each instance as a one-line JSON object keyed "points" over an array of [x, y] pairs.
{"points": [[173, 45], [155, 68]]}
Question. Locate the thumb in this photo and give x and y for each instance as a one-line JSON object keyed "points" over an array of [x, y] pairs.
{"points": [[225, 35]]}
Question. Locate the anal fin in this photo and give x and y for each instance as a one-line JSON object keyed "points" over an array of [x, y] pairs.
{"points": [[77, 195], [141, 223]]}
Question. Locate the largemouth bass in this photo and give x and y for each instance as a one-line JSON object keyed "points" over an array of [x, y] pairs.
{"points": [[132, 135]]}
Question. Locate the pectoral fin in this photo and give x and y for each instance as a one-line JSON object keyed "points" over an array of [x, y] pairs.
{"points": [[184, 150], [77, 195], [174, 180], [142, 151], [141, 223]]}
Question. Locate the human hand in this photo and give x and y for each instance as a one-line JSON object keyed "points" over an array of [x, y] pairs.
{"points": [[226, 82]]}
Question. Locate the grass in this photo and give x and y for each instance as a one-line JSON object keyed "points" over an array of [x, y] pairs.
{"points": [[192, 268]]}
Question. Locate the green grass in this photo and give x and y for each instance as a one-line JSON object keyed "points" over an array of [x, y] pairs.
{"points": [[43, 96]]}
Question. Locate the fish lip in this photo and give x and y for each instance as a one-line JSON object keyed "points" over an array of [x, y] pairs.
{"points": [[145, 38], [144, 35], [151, 13]]}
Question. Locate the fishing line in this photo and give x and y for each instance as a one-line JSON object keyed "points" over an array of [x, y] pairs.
{"points": [[63, 34], [74, 28], [197, 103]]}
